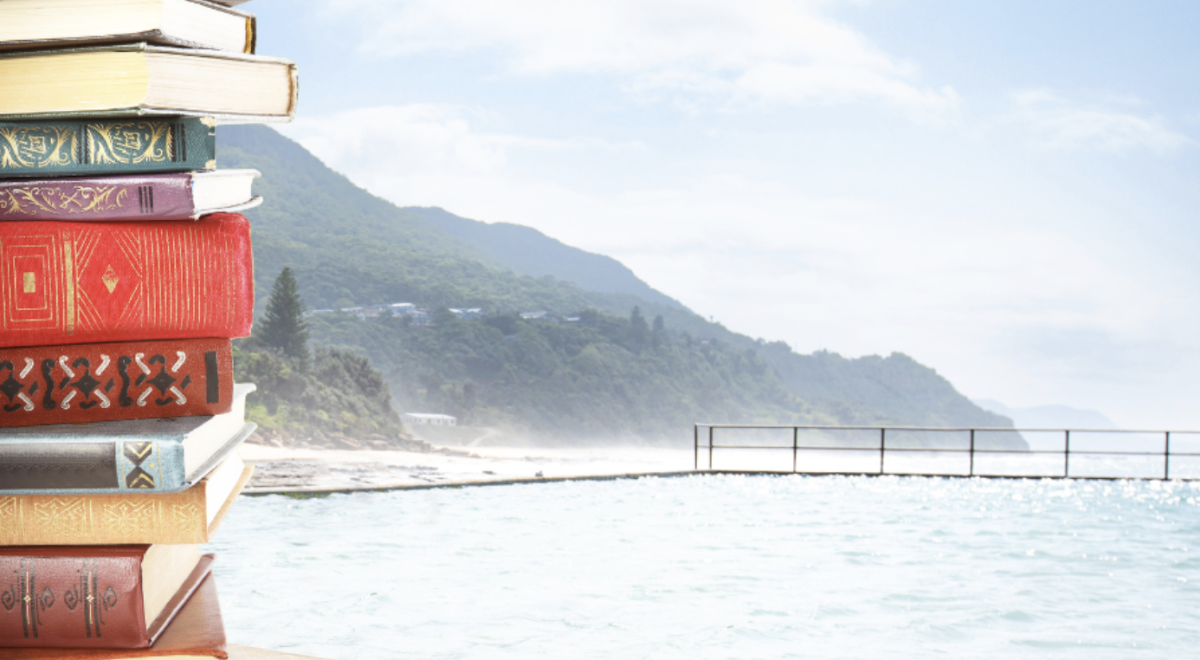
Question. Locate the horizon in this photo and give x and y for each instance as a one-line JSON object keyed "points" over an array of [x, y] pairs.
{"points": [[997, 191]]}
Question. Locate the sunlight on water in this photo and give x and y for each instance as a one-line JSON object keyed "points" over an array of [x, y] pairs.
{"points": [[721, 567]]}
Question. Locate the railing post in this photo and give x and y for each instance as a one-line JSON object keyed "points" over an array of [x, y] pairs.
{"points": [[972, 473], [795, 446], [882, 447], [1067, 454], [696, 447], [710, 447], [1167, 458]]}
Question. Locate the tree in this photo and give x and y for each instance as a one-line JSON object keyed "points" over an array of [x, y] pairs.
{"points": [[283, 327], [639, 330]]}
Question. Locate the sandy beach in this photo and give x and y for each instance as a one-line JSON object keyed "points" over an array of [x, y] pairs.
{"points": [[280, 470]]}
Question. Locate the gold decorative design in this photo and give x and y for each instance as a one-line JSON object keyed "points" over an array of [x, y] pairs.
{"points": [[129, 143], [9, 514], [110, 279], [69, 278], [53, 199], [29, 282], [35, 147], [64, 516], [129, 517], [188, 516]]}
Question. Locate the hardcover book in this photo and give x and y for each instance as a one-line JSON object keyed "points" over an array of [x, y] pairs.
{"points": [[189, 23], [106, 146], [140, 79], [90, 282], [107, 597], [80, 383], [149, 455], [188, 516], [197, 633], [184, 196]]}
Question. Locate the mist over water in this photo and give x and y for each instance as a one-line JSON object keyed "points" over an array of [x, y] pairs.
{"points": [[721, 567]]}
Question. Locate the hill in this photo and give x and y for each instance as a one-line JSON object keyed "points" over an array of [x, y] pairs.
{"points": [[527, 251], [348, 247]]}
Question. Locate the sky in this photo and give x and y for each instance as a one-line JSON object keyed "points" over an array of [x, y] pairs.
{"points": [[1004, 190]]}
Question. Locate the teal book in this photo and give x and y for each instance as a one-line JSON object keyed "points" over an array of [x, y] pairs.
{"points": [[107, 146], [164, 455]]}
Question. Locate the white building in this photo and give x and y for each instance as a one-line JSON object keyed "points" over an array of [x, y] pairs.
{"points": [[429, 419]]}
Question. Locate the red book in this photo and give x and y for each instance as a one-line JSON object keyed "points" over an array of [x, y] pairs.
{"points": [[82, 383], [82, 282], [100, 597], [196, 633]]}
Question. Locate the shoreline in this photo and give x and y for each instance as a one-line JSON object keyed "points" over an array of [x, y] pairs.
{"points": [[315, 471]]}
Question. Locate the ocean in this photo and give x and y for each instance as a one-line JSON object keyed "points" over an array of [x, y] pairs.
{"points": [[721, 566]]}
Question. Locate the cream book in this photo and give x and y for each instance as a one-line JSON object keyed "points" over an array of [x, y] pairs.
{"points": [[188, 516], [142, 79], [29, 24]]}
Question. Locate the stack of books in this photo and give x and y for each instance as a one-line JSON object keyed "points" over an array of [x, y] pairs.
{"points": [[125, 271]]}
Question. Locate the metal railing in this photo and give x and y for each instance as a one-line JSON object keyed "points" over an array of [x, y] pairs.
{"points": [[706, 440]]}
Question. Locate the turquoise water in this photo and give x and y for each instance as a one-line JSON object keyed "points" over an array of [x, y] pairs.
{"points": [[721, 567]]}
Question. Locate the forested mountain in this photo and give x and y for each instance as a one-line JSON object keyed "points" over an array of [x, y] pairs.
{"points": [[613, 373], [529, 252]]}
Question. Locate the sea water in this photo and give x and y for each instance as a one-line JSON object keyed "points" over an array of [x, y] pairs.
{"points": [[721, 566]]}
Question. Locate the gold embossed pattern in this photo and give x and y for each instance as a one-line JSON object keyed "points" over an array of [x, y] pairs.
{"points": [[41, 147]]}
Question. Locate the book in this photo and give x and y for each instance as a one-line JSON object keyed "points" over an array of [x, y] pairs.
{"points": [[93, 282], [104, 146], [150, 455], [189, 23], [100, 596], [130, 80], [185, 196], [188, 516], [196, 633], [80, 383]]}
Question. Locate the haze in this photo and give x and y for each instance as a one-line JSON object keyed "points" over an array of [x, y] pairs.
{"points": [[1005, 191]]}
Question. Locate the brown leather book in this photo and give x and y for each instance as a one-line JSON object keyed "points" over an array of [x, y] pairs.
{"points": [[83, 383], [196, 633], [108, 597]]}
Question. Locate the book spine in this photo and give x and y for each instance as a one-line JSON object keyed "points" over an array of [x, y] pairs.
{"points": [[124, 519], [104, 519], [106, 146], [80, 282], [44, 465], [95, 199], [82, 383], [71, 602]]}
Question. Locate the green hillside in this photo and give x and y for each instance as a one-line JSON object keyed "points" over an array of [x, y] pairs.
{"points": [[595, 378]]}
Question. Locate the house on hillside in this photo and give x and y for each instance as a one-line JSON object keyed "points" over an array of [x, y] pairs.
{"points": [[428, 419]]}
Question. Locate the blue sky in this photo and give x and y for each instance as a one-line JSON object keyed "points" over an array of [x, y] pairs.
{"points": [[1005, 191]]}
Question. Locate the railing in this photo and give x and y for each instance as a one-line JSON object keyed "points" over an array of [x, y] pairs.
{"points": [[975, 445]]}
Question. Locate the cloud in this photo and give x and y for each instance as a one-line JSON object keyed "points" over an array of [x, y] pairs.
{"points": [[1110, 126], [732, 52], [403, 143]]}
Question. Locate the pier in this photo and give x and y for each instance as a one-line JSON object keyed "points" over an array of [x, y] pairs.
{"points": [[948, 452]]}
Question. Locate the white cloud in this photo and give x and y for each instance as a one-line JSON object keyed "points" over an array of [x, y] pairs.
{"points": [[734, 51], [405, 143], [1109, 126]]}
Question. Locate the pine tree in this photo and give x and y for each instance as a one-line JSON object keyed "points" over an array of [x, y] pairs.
{"points": [[283, 327]]}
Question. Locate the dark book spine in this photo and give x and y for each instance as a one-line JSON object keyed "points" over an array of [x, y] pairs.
{"points": [[82, 383], [106, 146], [98, 199], [88, 282], [72, 602]]}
